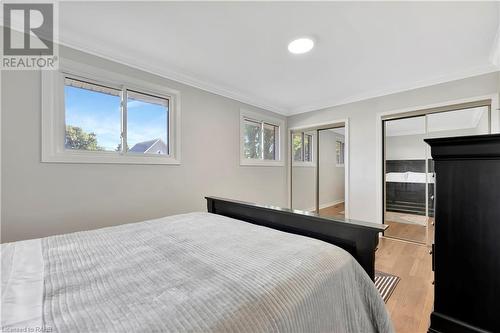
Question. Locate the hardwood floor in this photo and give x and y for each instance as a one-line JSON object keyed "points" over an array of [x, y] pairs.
{"points": [[333, 211], [411, 303], [408, 231]]}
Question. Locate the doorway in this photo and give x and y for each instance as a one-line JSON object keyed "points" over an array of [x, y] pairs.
{"points": [[318, 170], [409, 169]]}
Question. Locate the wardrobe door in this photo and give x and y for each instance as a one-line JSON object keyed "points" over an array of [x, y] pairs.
{"points": [[405, 179], [303, 177], [331, 172]]}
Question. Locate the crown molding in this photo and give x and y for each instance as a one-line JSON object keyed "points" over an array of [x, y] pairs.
{"points": [[191, 80], [486, 69], [179, 77]]}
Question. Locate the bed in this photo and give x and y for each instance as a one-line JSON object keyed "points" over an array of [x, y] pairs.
{"points": [[233, 269]]}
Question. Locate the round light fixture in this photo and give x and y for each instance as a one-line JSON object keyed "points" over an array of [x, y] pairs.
{"points": [[301, 45]]}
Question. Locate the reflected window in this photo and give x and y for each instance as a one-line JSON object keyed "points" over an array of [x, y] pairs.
{"points": [[339, 150], [302, 147]]}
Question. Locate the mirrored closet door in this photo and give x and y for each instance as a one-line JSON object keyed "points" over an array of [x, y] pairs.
{"points": [[409, 169], [331, 172], [318, 171], [303, 170]]}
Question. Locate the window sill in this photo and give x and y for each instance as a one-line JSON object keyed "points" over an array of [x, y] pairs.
{"points": [[107, 158], [252, 162]]}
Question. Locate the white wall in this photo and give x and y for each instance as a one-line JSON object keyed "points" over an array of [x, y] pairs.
{"points": [[40, 199], [405, 147], [365, 173], [331, 184]]}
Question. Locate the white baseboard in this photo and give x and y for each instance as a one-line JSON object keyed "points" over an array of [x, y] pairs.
{"points": [[332, 203]]}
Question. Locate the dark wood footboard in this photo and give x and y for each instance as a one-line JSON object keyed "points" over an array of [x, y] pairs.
{"points": [[359, 238]]}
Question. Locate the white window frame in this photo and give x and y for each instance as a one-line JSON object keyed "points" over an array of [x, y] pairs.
{"points": [[53, 116], [312, 162], [262, 118]]}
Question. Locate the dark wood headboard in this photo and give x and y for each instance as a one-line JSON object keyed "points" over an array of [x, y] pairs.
{"points": [[359, 238]]}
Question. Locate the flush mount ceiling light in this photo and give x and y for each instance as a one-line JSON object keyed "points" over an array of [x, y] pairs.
{"points": [[301, 45]]}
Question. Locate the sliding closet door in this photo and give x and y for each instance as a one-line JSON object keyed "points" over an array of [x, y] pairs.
{"points": [[409, 168], [471, 121], [331, 176], [405, 179], [303, 177]]}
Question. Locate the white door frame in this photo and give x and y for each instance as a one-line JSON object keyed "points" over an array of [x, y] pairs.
{"points": [[344, 122], [494, 128]]}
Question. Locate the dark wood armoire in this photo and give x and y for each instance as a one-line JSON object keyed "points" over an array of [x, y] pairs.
{"points": [[466, 251]]}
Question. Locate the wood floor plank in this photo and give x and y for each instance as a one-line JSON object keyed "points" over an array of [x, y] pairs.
{"points": [[412, 232], [411, 303], [333, 211]]}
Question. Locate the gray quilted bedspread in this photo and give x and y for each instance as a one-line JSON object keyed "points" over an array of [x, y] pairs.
{"points": [[201, 272]]}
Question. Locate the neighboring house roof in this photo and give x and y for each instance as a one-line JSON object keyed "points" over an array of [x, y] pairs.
{"points": [[145, 147]]}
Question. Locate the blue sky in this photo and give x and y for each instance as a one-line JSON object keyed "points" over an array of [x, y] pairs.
{"points": [[100, 113]]}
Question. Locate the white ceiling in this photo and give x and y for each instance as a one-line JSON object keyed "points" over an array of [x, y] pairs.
{"points": [[239, 49], [437, 122]]}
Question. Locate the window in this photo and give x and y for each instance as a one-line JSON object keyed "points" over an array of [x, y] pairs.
{"points": [[260, 140], [93, 118], [339, 147], [108, 121], [302, 147]]}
